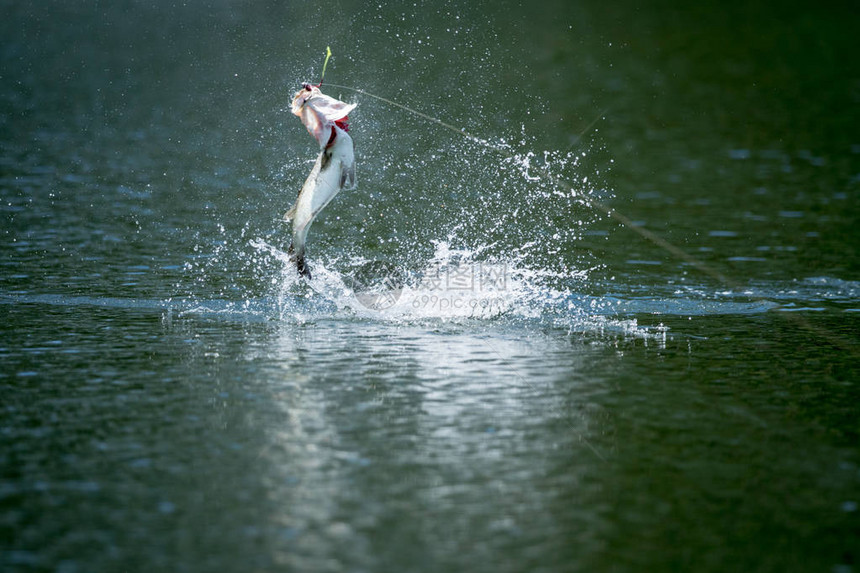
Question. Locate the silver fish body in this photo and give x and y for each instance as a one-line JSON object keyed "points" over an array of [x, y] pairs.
{"points": [[333, 170], [326, 120]]}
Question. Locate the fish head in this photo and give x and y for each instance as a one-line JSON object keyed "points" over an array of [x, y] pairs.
{"points": [[319, 112], [302, 96]]}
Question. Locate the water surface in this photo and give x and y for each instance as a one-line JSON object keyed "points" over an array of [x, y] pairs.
{"points": [[541, 388]]}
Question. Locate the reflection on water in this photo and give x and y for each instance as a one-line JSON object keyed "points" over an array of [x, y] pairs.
{"points": [[360, 454], [342, 443]]}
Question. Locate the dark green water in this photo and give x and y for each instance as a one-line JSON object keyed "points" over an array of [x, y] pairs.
{"points": [[173, 398]]}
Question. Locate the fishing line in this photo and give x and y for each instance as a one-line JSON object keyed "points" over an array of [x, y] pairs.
{"points": [[590, 201], [625, 221], [429, 118]]}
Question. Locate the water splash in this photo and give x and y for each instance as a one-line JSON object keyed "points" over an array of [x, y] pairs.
{"points": [[457, 228], [452, 285]]}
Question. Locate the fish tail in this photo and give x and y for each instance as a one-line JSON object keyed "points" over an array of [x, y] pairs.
{"points": [[302, 267], [301, 264]]}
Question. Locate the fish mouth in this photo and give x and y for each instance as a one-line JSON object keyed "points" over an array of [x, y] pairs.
{"points": [[302, 97]]}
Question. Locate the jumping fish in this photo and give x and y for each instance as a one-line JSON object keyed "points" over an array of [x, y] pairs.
{"points": [[326, 120]]}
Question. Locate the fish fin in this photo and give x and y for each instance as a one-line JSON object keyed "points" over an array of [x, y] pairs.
{"points": [[325, 158], [329, 108], [347, 176], [289, 215], [347, 170]]}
